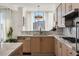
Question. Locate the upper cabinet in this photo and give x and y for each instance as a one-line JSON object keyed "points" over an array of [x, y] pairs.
{"points": [[59, 15], [63, 8], [65, 14], [68, 7], [55, 18], [75, 5]]}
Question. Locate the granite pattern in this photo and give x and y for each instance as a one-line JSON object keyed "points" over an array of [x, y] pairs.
{"points": [[7, 48]]}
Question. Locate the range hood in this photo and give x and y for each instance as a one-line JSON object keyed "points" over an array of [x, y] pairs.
{"points": [[71, 14]]}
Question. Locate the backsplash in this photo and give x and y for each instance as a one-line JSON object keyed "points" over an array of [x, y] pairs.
{"points": [[36, 32], [71, 32], [58, 31]]}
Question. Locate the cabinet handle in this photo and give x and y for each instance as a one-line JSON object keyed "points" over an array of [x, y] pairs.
{"points": [[28, 39], [24, 38], [70, 52], [60, 45]]}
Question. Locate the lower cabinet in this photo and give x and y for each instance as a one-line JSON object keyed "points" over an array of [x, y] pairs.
{"points": [[56, 47], [42, 45], [64, 50], [47, 45], [59, 47], [26, 44], [71, 52], [35, 44]]}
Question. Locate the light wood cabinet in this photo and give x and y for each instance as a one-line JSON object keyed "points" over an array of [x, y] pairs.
{"points": [[47, 45], [35, 44], [68, 7], [55, 17], [26, 44], [59, 15], [42, 45], [63, 13], [59, 48], [71, 52], [75, 5], [64, 50], [56, 47]]}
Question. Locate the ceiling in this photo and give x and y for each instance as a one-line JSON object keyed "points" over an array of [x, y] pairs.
{"points": [[31, 6]]}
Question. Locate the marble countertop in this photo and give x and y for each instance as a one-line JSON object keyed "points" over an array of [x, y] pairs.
{"points": [[7, 48], [35, 35], [67, 43]]}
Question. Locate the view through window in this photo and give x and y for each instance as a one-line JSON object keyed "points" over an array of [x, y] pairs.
{"points": [[38, 21], [2, 25]]}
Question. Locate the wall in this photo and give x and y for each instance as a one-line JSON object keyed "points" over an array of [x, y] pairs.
{"points": [[16, 22], [28, 21], [48, 16], [5, 22], [48, 21]]}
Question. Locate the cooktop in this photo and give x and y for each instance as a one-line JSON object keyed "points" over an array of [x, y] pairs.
{"points": [[71, 39]]}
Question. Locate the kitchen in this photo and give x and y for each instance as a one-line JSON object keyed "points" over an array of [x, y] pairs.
{"points": [[39, 29]]}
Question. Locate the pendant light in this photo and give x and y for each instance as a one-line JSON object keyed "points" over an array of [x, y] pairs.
{"points": [[38, 17]]}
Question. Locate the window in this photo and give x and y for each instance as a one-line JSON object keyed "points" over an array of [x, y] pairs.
{"points": [[38, 21], [2, 26]]}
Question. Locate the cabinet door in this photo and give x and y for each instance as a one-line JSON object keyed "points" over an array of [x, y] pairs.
{"points": [[68, 7], [47, 45], [75, 5], [26, 44], [35, 45], [59, 15], [56, 47], [59, 48], [55, 17], [64, 50], [63, 13], [71, 52]]}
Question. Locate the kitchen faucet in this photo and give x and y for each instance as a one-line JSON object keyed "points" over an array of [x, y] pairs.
{"points": [[1, 43], [40, 31]]}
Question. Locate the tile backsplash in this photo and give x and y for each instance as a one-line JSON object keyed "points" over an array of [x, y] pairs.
{"points": [[71, 32], [58, 31]]}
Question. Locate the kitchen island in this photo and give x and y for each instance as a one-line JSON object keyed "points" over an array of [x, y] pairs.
{"points": [[10, 49]]}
